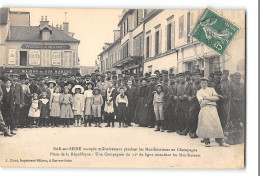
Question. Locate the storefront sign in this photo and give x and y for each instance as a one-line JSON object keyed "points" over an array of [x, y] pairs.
{"points": [[51, 47], [34, 57], [12, 56]]}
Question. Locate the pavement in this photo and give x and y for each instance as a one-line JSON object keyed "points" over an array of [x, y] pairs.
{"points": [[130, 147]]}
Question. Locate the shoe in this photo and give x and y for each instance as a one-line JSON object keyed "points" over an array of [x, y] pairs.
{"points": [[170, 131], [157, 129], [68, 126], [202, 141], [162, 130], [178, 132], [150, 126], [107, 125], [119, 126], [207, 144], [7, 135], [223, 144], [96, 125], [193, 135], [99, 126], [125, 126], [13, 133], [184, 132]]}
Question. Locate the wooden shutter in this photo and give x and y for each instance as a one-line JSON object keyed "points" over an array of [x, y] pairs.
{"points": [[160, 42], [150, 46], [165, 38], [17, 60], [173, 35]]}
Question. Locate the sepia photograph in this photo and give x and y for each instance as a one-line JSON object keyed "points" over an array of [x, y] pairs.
{"points": [[123, 88]]}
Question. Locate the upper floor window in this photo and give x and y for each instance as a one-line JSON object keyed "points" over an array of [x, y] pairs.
{"points": [[169, 36]]}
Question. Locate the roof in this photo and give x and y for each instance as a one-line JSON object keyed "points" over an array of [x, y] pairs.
{"points": [[110, 46], [4, 16], [19, 12], [32, 34]]}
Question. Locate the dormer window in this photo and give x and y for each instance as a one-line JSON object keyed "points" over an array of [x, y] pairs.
{"points": [[45, 34]]}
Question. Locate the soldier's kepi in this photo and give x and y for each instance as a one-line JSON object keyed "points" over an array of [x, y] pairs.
{"points": [[214, 31]]}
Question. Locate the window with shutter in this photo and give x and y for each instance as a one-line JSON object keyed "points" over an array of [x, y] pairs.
{"points": [[17, 60]]}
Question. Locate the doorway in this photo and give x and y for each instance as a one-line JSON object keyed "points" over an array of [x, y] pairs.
{"points": [[23, 58]]}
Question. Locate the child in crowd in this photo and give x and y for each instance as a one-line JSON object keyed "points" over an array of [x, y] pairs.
{"points": [[88, 94], [55, 107], [34, 112], [66, 110], [78, 104], [110, 96], [97, 102], [122, 104], [158, 102], [44, 117]]}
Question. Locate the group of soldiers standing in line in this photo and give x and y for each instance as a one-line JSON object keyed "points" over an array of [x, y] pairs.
{"points": [[178, 110]]}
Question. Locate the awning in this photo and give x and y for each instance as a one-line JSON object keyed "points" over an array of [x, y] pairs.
{"points": [[126, 60]]}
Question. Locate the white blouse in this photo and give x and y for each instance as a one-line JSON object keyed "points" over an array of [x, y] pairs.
{"points": [[208, 92]]}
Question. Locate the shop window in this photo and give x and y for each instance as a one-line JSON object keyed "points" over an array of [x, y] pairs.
{"points": [[23, 58]]}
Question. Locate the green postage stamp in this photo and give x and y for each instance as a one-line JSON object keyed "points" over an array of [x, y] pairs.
{"points": [[214, 31]]}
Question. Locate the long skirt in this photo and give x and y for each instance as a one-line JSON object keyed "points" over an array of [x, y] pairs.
{"points": [[209, 125], [88, 107], [55, 109], [66, 111], [141, 112]]}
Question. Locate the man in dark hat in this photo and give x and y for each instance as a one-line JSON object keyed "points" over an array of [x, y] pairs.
{"points": [[157, 72], [170, 105], [18, 98], [108, 75], [194, 105], [211, 80], [182, 105], [24, 120], [3, 127], [8, 105], [151, 91], [222, 97], [236, 119]]}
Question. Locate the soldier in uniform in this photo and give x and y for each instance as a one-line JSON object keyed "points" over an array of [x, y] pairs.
{"points": [[211, 80], [182, 105], [194, 105], [237, 108], [220, 103], [170, 105], [102, 85], [151, 91], [18, 98], [131, 94]]}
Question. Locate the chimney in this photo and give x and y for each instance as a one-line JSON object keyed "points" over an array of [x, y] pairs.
{"points": [[65, 25], [44, 22]]}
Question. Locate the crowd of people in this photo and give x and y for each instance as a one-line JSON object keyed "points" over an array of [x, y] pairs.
{"points": [[185, 103]]}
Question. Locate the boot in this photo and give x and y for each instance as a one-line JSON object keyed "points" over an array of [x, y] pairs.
{"points": [[79, 122], [184, 132], [6, 134], [157, 128]]}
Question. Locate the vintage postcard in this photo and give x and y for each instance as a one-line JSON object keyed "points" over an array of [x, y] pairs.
{"points": [[122, 88]]}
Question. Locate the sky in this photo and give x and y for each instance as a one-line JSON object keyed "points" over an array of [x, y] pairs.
{"points": [[93, 27]]}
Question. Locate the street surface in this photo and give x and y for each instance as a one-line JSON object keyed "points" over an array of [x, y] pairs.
{"points": [[140, 147]]}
